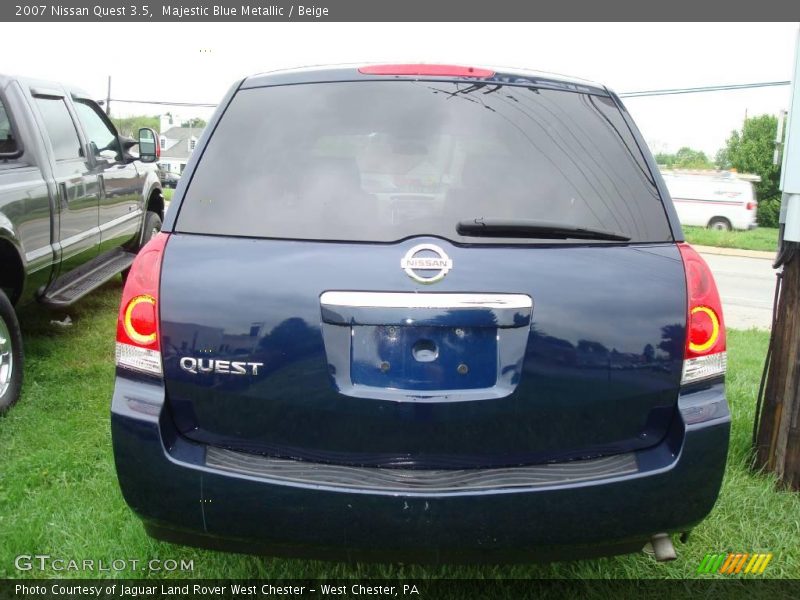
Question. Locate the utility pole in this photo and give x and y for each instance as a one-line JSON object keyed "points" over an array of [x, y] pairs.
{"points": [[777, 428], [108, 97]]}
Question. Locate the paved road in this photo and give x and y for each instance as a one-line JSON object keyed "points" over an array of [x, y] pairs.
{"points": [[747, 286]]}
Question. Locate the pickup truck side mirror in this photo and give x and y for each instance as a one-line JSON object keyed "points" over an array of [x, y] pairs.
{"points": [[149, 150]]}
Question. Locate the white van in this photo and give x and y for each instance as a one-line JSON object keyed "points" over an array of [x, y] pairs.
{"points": [[717, 199]]}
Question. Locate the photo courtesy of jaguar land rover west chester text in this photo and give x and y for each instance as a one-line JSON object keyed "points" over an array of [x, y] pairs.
{"points": [[423, 313]]}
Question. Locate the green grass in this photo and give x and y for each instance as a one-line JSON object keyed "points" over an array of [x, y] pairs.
{"points": [[59, 494], [168, 192], [762, 238]]}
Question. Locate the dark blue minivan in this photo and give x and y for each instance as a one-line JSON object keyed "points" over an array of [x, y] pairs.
{"points": [[420, 313]]}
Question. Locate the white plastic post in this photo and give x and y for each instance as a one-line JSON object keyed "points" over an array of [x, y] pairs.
{"points": [[790, 169]]}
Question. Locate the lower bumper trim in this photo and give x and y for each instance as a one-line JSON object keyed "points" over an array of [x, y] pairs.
{"points": [[417, 480]]}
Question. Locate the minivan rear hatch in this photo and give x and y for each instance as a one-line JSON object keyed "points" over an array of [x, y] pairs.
{"points": [[427, 273]]}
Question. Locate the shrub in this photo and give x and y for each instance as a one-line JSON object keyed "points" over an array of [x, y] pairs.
{"points": [[768, 212]]}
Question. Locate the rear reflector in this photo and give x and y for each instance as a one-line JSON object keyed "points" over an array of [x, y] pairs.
{"points": [[423, 70], [138, 359], [138, 343], [703, 367], [704, 355]]}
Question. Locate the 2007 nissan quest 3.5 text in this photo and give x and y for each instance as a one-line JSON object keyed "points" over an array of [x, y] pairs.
{"points": [[420, 313]]}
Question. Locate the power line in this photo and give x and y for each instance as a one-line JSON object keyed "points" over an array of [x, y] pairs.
{"points": [[636, 94], [707, 88], [165, 103]]}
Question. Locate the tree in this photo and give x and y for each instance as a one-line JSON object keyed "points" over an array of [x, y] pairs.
{"points": [[750, 151], [196, 122], [685, 158], [129, 126]]}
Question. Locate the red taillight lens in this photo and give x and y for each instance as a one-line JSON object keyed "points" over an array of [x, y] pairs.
{"points": [[706, 331], [138, 343], [751, 206], [705, 336], [139, 320], [423, 70]]}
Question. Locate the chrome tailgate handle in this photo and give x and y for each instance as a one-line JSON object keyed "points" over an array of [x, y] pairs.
{"points": [[410, 308]]}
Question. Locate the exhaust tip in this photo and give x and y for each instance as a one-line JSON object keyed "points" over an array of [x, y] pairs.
{"points": [[660, 546]]}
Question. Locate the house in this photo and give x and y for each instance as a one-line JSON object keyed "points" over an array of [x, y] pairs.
{"points": [[177, 145]]}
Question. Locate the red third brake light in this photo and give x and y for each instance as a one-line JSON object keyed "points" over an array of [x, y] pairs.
{"points": [[138, 342], [704, 354], [423, 70]]}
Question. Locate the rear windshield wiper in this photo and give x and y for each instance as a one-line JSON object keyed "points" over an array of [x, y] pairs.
{"points": [[530, 228]]}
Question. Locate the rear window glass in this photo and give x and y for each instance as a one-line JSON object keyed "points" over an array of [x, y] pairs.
{"points": [[383, 161], [8, 142], [60, 128]]}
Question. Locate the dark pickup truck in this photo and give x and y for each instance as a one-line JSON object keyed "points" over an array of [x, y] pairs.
{"points": [[76, 204]]}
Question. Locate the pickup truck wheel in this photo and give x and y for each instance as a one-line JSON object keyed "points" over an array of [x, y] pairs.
{"points": [[11, 357], [152, 225]]}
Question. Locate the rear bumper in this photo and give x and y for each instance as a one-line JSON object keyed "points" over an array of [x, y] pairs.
{"points": [[184, 497]]}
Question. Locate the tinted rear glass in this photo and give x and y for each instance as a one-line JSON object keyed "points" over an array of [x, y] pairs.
{"points": [[60, 128], [383, 161], [8, 142]]}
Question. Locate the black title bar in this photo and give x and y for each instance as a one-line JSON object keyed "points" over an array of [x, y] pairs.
{"points": [[732, 588]]}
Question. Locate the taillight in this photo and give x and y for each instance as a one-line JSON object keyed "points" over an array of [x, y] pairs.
{"points": [[704, 355], [751, 206], [138, 342], [424, 70]]}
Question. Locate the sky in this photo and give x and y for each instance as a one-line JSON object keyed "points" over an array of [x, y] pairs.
{"points": [[197, 62]]}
